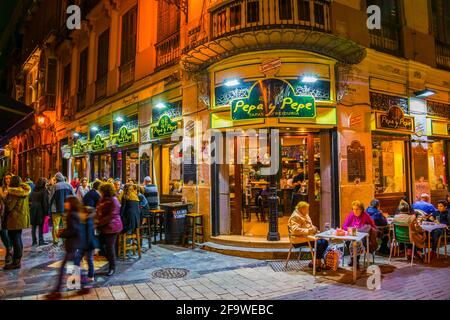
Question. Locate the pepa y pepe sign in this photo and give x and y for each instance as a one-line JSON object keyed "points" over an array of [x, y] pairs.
{"points": [[394, 119], [164, 127], [273, 98], [124, 136]]}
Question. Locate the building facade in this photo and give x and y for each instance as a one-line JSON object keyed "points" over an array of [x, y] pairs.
{"points": [[360, 113]]}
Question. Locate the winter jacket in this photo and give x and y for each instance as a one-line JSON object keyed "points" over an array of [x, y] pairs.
{"points": [[91, 198], [108, 216], [417, 233], [17, 211], [130, 214], [377, 216], [72, 233], [62, 191], [88, 238], [143, 205], [358, 222], [39, 207], [301, 227], [51, 192], [426, 207]]}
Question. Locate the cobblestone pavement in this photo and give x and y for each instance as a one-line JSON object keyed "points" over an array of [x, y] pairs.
{"points": [[211, 275]]}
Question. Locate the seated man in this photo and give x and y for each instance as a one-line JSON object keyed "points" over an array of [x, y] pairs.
{"points": [[380, 221], [424, 204], [302, 228], [151, 193], [442, 215]]}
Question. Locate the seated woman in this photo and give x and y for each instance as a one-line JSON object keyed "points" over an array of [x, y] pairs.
{"points": [[408, 218], [359, 219], [301, 226], [380, 221]]}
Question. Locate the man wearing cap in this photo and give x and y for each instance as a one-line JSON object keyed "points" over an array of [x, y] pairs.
{"points": [[151, 193], [424, 204]]}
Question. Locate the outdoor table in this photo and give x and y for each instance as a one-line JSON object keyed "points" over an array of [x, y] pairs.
{"points": [[354, 239], [174, 220], [430, 228]]}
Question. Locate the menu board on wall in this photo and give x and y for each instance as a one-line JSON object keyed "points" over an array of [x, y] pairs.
{"points": [[420, 163], [356, 162]]}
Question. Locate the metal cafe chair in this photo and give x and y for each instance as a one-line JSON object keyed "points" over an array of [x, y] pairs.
{"points": [[402, 234], [300, 248]]}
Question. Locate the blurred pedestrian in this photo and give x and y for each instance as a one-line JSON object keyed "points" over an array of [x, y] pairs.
{"points": [[39, 210], [17, 215], [73, 242], [75, 183], [3, 231], [88, 240], [62, 190], [109, 223]]}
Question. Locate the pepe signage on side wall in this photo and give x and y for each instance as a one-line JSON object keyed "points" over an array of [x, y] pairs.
{"points": [[164, 127], [273, 98]]}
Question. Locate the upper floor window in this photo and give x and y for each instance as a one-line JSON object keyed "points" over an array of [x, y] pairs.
{"points": [[129, 31], [51, 76], [304, 13], [102, 64], [441, 30], [168, 20], [252, 11], [387, 38], [235, 15], [65, 95], [82, 80], [285, 9]]}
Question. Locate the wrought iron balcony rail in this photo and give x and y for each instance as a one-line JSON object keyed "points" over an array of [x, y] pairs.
{"points": [[127, 73], [100, 87], [168, 50], [387, 39], [47, 103], [443, 54], [81, 103], [252, 15]]}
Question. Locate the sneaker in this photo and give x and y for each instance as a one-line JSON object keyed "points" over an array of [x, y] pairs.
{"points": [[53, 296], [111, 272]]}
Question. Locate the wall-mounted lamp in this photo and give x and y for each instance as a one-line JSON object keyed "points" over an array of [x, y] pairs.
{"points": [[94, 128], [424, 93], [309, 79], [76, 134], [232, 82], [41, 120], [119, 119], [160, 105]]}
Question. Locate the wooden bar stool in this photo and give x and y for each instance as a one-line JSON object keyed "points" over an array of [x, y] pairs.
{"points": [[157, 218], [146, 230], [135, 244], [194, 228]]}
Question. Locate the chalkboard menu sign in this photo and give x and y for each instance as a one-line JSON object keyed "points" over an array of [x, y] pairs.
{"points": [[420, 163], [356, 162]]}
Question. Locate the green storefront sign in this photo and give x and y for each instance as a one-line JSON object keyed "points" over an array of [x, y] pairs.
{"points": [[273, 98], [164, 127], [124, 136], [78, 148], [98, 143]]}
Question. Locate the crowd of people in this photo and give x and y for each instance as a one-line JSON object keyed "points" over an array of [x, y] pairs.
{"points": [[88, 217], [374, 222]]}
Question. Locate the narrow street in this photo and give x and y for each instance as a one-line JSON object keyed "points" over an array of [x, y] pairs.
{"points": [[208, 275]]}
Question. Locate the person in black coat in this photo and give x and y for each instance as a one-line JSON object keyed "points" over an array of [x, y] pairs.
{"points": [[92, 197], [130, 211], [73, 241], [39, 210]]}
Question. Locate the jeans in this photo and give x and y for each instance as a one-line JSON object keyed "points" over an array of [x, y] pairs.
{"points": [[89, 255], [15, 237], [435, 234], [70, 256], [322, 245], [110, 244], [40, 231], [5, 238]]}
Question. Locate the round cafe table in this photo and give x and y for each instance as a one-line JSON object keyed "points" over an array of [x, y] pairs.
{"points": [[429, 228]]}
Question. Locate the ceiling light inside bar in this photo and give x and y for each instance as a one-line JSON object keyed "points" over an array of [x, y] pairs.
{"points": [[232, 82]]}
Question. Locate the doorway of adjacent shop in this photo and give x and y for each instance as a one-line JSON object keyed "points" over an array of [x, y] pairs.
{"points": [[167, 166], [242, 185]]}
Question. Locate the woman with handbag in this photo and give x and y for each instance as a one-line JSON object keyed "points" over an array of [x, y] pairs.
{"points": [[108, 222], [17, 217], [39, 210], [3, 231]]}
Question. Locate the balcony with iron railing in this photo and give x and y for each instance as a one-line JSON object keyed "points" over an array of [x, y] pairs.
{"points": [[100, 87], [127, 74], [251, 15], [443, 55], [387, 39], [81, 100], [168, 50], [251, 25]]}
